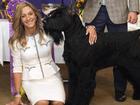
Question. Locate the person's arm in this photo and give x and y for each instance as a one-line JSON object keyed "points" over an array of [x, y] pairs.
{"points": [[17, 83], [17, 75], [133, 11], [17, 97], [91, 31], [132, 17]]}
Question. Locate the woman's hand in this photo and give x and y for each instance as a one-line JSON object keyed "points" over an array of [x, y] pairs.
{"points": [[91, 31], [15, 101]]}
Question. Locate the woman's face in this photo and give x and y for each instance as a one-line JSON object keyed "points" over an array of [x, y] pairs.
{"points": [[28, 18]]}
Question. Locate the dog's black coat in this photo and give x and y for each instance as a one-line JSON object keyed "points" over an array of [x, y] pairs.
{"points": [[83, 59]]}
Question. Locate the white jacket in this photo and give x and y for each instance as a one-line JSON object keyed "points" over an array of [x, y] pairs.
{"points": [[26, 59]]}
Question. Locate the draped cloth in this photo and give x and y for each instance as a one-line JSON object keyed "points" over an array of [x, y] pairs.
{"points": [[1, 45], [11, 62], [4, 36]]}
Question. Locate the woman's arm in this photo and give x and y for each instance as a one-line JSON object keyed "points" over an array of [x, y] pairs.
{"points": [[17, 83], [17, 97], [17, 75]]}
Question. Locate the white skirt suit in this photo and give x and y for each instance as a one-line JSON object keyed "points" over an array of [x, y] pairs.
{"points": [[40, 75]]}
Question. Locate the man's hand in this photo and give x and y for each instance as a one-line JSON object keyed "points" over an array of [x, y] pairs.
{"points": [[132, 17], [91, 31]]}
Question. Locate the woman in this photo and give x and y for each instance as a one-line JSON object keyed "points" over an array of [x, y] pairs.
{"points": [[33, 66]]}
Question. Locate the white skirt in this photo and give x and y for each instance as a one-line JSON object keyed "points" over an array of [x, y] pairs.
{"points": [[47, 89]]}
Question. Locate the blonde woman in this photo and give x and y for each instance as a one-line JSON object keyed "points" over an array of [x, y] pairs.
{"points": [[33, 66]]}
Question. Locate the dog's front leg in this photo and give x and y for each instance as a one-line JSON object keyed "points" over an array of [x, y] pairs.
{"points": [[72, 82], [84, 87]]}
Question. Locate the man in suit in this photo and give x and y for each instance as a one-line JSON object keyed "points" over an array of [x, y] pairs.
{"points": [[113, 14]]}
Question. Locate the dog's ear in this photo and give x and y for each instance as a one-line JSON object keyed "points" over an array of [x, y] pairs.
{"points": [[45, 25], [55, 34]]}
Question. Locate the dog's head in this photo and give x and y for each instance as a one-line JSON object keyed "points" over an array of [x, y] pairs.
{"points": [[57, 18], [51, 11]]}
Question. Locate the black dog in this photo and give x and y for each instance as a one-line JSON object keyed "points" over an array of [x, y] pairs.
{"points": [[83, 60]]}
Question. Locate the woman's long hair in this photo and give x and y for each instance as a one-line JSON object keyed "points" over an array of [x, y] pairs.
{"points": [[18, 27]]}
